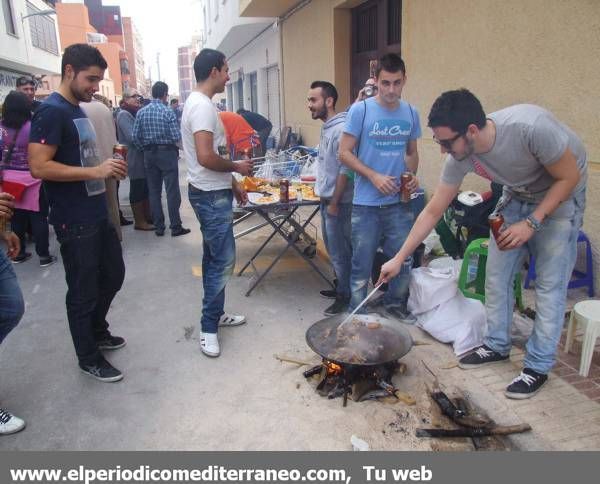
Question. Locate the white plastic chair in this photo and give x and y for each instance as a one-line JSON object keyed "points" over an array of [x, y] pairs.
{"points": [[587, 313]]}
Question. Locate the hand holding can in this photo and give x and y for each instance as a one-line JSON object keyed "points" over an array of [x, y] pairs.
{"points": [[496, 221]]}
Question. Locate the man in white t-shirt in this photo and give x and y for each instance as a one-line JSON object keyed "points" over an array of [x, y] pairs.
{"points": [[211, 191]]}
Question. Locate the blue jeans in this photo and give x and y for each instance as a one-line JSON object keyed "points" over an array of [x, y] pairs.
{"points": [[94, 270], [161, 164], [214, 212], [555, 251], [12, 306], [337, 231], [369, 225]]}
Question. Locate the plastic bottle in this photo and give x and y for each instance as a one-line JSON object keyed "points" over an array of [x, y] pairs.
{"points": [[472, 267]]}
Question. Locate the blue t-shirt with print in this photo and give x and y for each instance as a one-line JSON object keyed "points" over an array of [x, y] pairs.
{"points": [[59, 123], [383, 137]]}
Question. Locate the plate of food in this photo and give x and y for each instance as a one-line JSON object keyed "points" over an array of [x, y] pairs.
{"points": [[262, 198]]}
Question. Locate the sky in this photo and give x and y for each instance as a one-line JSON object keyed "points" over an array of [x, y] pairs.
{"points": [[164, 26]]}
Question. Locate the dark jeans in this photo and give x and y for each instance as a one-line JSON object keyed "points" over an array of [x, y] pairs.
{"points": [[138, 190], [39, 226], [94, 270], [263, 135], [161, 164], [12, 306], [214, 212]]}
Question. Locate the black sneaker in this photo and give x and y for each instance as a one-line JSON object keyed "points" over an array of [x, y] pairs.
{"points": [[111, 343], [402, 314], [22, 258], [159, 232], [339, 306], [479, 357], [102, 371], [526, 385], [47, 261], [328, 293], [180, 231]]}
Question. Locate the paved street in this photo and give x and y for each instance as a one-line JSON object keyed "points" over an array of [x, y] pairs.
{"points": [[174, 397]]}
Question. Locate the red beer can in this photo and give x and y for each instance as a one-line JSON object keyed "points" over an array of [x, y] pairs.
{"points": [[496, 221], [284, 190], [405, 179], [120, 152]]}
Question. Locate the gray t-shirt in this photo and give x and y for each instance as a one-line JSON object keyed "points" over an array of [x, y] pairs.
{"points": [[528, 138]]}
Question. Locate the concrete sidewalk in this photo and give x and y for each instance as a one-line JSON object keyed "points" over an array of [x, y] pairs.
{"points": [[175, 398]]}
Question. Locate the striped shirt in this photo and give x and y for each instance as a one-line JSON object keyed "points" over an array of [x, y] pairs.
{"points": [[155, 124]]}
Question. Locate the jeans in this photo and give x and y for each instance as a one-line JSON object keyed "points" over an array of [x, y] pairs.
{"points": [[214, 212], [369, 225], [94, 271], [337, 233], [39, 226], [12, 306], [162, 164], [555, 251]]}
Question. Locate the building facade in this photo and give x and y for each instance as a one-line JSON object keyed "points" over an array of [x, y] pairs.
{"points": [[253, 50], [28, 46], [74, 27], [135, 55], [185, 66], [537, 52]]}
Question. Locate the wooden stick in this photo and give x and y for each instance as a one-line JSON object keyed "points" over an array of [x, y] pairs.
{"points": [[285, 359], [475, 432]]}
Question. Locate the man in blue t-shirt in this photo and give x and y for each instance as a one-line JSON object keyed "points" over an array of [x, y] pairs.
{"points": [[63, 153], [379, 143]]}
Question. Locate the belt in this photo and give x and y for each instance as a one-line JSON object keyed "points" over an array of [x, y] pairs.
{"points": [[158, 147]]}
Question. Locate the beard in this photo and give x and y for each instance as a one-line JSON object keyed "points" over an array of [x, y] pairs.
{"points": [[319, 113], [80, 94], [469, 151]]}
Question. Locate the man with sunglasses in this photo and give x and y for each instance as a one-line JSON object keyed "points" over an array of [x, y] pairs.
{"points": [[543, 167], [379, 143]]}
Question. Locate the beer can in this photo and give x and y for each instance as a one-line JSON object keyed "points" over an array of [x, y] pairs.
{"points": [[284, 190], [120, 152], [496, 221], [405, 179]]}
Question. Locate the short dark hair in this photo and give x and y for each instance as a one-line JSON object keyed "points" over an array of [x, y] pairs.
{"points": [[24, 81], [457, 110], [390, 63], [159, 89], [328, 89], [173, 101], [80, 57], [16, 110], [205, 61]]}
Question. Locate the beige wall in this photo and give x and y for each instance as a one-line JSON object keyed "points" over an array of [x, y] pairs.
{"points": [[514, 51], [307, 40]]}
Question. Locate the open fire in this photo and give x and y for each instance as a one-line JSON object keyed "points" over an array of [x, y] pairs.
{"points": [[360, 382]]}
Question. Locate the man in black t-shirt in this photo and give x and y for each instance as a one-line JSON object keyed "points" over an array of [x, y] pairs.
{"points": [[63, 153]]}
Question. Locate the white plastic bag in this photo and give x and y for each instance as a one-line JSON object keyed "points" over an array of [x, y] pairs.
{"points": [[429, 288], [459, 320]]}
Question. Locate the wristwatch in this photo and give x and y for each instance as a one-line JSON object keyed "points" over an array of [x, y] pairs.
{"points": [[534, 223]]}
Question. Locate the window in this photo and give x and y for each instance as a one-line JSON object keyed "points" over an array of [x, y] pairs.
{"points": [[253, 92], [42, 30], [240, 92], [394, 21], [9, 17]]}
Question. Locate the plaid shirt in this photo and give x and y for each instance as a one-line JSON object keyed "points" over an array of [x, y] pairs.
{"points": [[155, 124]]}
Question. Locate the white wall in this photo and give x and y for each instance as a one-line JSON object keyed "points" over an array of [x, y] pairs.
{"points": [[261, 53], [16, 51]]}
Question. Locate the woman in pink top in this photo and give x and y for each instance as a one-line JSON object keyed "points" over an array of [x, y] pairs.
{"points": [[31, 207]]}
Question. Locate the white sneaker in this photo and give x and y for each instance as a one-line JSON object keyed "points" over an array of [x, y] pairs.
{"points": [[231, 320], [9, 424], [209, 344]]}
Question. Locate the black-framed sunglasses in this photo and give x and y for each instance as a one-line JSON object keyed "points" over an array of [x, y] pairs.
{"points": [[447, 143]]}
